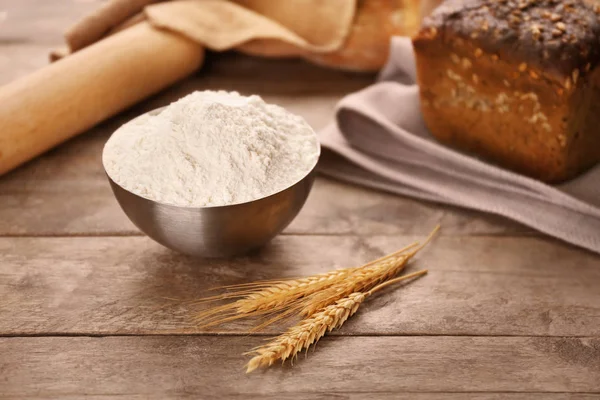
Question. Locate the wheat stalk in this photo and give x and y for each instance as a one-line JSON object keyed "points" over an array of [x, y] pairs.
{"points": [[286, 292], [357, 282], [313, 328], [266, 297], [363, 279], [275, 301]]}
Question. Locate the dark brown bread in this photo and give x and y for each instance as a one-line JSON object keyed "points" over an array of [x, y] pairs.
{"points": [[517, 82]]}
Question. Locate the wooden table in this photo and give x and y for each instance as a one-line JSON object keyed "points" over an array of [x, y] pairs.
{"points": [[504, 313]]}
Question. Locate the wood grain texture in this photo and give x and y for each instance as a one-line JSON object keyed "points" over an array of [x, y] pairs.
{"points": [[30, 29], [212, 367], [328, 395], [333, 208], [71, 265], [476, 286]]}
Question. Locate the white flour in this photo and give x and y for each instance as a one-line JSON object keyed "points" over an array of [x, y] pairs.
{"points": [[211, 149]]}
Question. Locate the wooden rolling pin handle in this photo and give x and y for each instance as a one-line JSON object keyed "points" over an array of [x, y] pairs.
{"points": [[66, 98]]}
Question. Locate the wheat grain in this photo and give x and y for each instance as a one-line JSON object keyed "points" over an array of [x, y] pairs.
{"points": [[313, 328], [306, 333], [363, 279], [275, 301], [273, 297], [288, 291], [285, 292], [359, 281]]}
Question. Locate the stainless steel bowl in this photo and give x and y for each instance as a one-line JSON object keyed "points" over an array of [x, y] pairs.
{"points": [[223, 231]]}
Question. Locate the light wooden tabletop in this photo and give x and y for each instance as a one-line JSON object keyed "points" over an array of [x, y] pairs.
{"points": [[504, 313]]}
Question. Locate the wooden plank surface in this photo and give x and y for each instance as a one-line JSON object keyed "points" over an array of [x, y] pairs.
{"points": [[333, 208], [505, 313], [328, 395], [491, 286], [29, 29], [201, 366]]}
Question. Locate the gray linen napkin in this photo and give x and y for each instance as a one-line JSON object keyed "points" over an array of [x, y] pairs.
{"points": [[379, 140]]}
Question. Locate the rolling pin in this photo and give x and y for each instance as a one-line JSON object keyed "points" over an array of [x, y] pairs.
{"points": [[66, 98]]}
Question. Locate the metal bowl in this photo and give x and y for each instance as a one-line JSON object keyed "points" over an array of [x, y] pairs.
{"points": [[222, 231]]}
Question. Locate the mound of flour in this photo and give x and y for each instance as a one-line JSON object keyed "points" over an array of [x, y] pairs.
{"points": [[211, 149]]}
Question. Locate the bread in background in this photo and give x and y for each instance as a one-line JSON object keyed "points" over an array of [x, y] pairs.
{"points": [[516, 82], [368, 43]]}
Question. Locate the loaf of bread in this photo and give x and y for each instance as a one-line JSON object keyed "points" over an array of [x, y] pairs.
{"points": [[368, 43], [516, 82]]}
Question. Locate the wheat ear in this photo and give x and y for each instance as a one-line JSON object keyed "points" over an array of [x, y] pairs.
{"points": [[357, 282], [287, 291], [277, 296], [363, 279], [311, 329]]}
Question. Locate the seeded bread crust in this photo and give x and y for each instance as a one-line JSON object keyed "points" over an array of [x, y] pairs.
{"points": [[517, 82], [555, 37]]}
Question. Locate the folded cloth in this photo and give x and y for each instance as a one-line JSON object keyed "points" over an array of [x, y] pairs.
{"points": [[380, 140]]}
